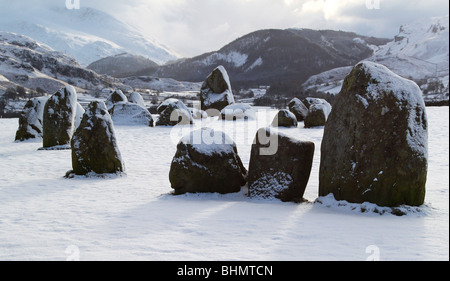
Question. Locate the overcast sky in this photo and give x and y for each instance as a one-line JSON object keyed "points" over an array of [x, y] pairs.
{"points": [[192, 27]]}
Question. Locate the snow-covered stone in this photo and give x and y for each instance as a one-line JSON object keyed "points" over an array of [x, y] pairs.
{"points": [[94, 145], [317, 114], [115, 97], [173, 112], [127, 113], [375, 143], [31, 119], [238, 111], [79, 115], [282, 174], [137, 98], [216, 92], [198, 113], [59, 118], [299, 109], [207, 161], [285, 118]]}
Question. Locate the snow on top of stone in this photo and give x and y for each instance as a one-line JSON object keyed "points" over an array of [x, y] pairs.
{"points": [[239, 110], [71, 95], [207, 141], [404, 90], [387, 81], [225, 75]]}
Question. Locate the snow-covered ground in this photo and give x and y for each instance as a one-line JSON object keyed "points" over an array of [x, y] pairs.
{"points": [[44, 216]]}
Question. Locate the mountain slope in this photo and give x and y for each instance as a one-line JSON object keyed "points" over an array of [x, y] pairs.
{"points": [[86, 34], [420, 52], [122, 65], [269, 56], [36, 66]]}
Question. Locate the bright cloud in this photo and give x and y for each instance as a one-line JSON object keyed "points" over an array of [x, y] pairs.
{"points": [[192, 27]]}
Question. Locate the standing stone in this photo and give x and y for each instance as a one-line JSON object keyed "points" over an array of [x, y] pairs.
{"points": [[285, 118], [299, 109], [285, 172], [216, 92], [94, 144], [127, 113], [116, 96], [31, 119], [375, 143], [317, 114], [59, 118], [207, 161], [173, 112], [137, 98]]}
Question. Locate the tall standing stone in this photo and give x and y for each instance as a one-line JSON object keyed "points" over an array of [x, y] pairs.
{"points": [[216, 92], [375, 142], [94, 144], [31, 119], [59, 117]]}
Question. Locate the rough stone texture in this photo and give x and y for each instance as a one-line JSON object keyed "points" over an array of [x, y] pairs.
{"points": [[285, 118], [282, 174], [117, 96], [207, 161], [298, 108], [59, 117], [375, 143], [94, 144], [127, 113], [173, 112], [31, 120], [216, 92], [317, 115]]}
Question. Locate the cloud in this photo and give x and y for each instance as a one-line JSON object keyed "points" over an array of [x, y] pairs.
{"points": [[192, 27]]}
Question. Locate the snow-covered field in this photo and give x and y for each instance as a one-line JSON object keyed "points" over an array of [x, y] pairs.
{"points": [[44, 216]]}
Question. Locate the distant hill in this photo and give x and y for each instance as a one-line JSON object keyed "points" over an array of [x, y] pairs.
{"points": [[271, 56], [122, 65]]}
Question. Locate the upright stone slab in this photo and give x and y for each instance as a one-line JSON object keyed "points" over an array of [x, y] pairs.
{"points": [[94, 144], [59, 118], [375, 142], [216, 92], [297, 107], [31, 119], [207, 161], [281, 171]]}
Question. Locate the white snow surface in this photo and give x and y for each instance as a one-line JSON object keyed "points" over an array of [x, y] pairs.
{"points": [[133, 217]]}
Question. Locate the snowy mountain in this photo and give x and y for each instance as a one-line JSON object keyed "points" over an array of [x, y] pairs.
{"points": [[419, 52], [269, 56], [86, 34], [37, 67]]}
